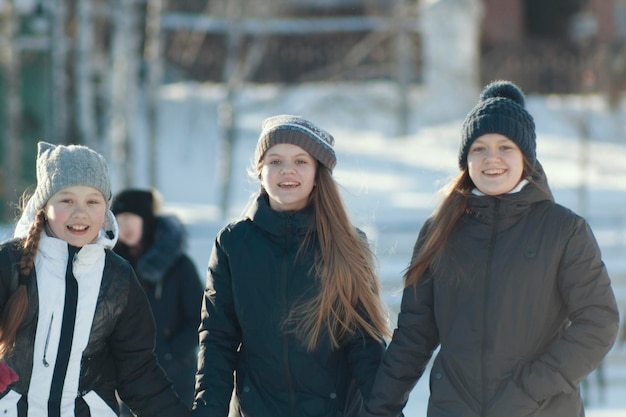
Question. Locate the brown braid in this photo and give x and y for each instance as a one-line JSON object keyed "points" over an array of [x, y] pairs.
{"points": [[17, 305], [32, 242]]}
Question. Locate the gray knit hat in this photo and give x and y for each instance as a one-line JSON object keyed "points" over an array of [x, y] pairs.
{"points": [[60, 166], [295, 130], [500, 110]]}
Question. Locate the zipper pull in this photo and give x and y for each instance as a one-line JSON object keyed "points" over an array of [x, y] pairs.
{"points": [[45, 348]]}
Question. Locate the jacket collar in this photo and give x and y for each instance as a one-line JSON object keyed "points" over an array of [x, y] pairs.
{"points": [[279, 223]]}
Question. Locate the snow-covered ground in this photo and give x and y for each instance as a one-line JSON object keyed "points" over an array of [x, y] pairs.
{"points": [[390, 183]]}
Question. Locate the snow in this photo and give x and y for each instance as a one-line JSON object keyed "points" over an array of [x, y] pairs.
{"points": [[390, 183]]}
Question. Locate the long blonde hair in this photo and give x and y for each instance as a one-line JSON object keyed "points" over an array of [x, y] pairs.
{"points": [[349, 298], [445, 218], [17, 305]]}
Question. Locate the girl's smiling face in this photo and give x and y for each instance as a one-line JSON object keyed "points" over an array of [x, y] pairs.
{"points": [[495, 164], [76, 214], [288, 176]]}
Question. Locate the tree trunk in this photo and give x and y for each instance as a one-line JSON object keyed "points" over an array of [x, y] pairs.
{"points": [[123, 90], [59, 119], [404, 60], [85, 114], [152, 55], [10, 61], [237, 70]]}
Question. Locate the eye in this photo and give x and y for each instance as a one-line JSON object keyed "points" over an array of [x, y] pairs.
{"points": [[302, 161], [477, 149], [273, 162]]}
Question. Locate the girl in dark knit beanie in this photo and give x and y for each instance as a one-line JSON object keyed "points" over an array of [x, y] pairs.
{"points": [[507, 284]]}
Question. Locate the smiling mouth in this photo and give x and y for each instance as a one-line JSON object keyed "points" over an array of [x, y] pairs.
{"points": [[288, 184], [494, 171], [78, 228]]}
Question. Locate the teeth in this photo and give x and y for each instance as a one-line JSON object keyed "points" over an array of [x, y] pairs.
{"points": [[493, 171], [78, 227], [288, 184]]}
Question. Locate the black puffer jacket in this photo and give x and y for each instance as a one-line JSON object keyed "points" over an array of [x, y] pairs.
{"points": [[254, 280], [522, 309], [172, 284]]}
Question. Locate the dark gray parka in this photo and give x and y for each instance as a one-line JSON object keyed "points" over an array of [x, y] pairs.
{"points": [[521, 308], [254, 279]]}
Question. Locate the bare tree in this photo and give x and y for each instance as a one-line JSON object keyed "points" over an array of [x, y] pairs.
{"points": [[59, 116], [83, 62], [404, 58], [240, 63], [10, 62], [153, 58], [124, 68]]}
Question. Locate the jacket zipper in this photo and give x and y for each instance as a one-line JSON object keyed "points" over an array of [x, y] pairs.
{"points": [[288, 244], [45, 347], [483, 360]]}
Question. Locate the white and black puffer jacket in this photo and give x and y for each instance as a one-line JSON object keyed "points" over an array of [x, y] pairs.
{"points": [[71, 361]]}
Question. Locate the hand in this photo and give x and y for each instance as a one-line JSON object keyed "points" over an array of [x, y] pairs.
{"points": [[7, 376], [512, 398]]}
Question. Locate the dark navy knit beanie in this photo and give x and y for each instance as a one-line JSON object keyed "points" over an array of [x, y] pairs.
{"points": [[500, 110]]}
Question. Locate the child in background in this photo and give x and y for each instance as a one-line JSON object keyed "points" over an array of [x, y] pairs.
{"points": [[75, 325], [155, 244]]}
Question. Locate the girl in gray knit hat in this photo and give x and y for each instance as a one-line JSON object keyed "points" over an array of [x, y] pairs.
{"points": [[291, 318], [506, 283], [75, 325]]}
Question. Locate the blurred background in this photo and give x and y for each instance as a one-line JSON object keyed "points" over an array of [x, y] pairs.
{"points": [[85, 71]]}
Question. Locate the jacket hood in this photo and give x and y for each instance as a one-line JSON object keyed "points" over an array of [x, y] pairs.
{"points": [[535, 191], [168, 244]]}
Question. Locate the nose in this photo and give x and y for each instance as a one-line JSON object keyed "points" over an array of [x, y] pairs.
{"points": [[492, 154], [79, 210], [287, 167]]}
